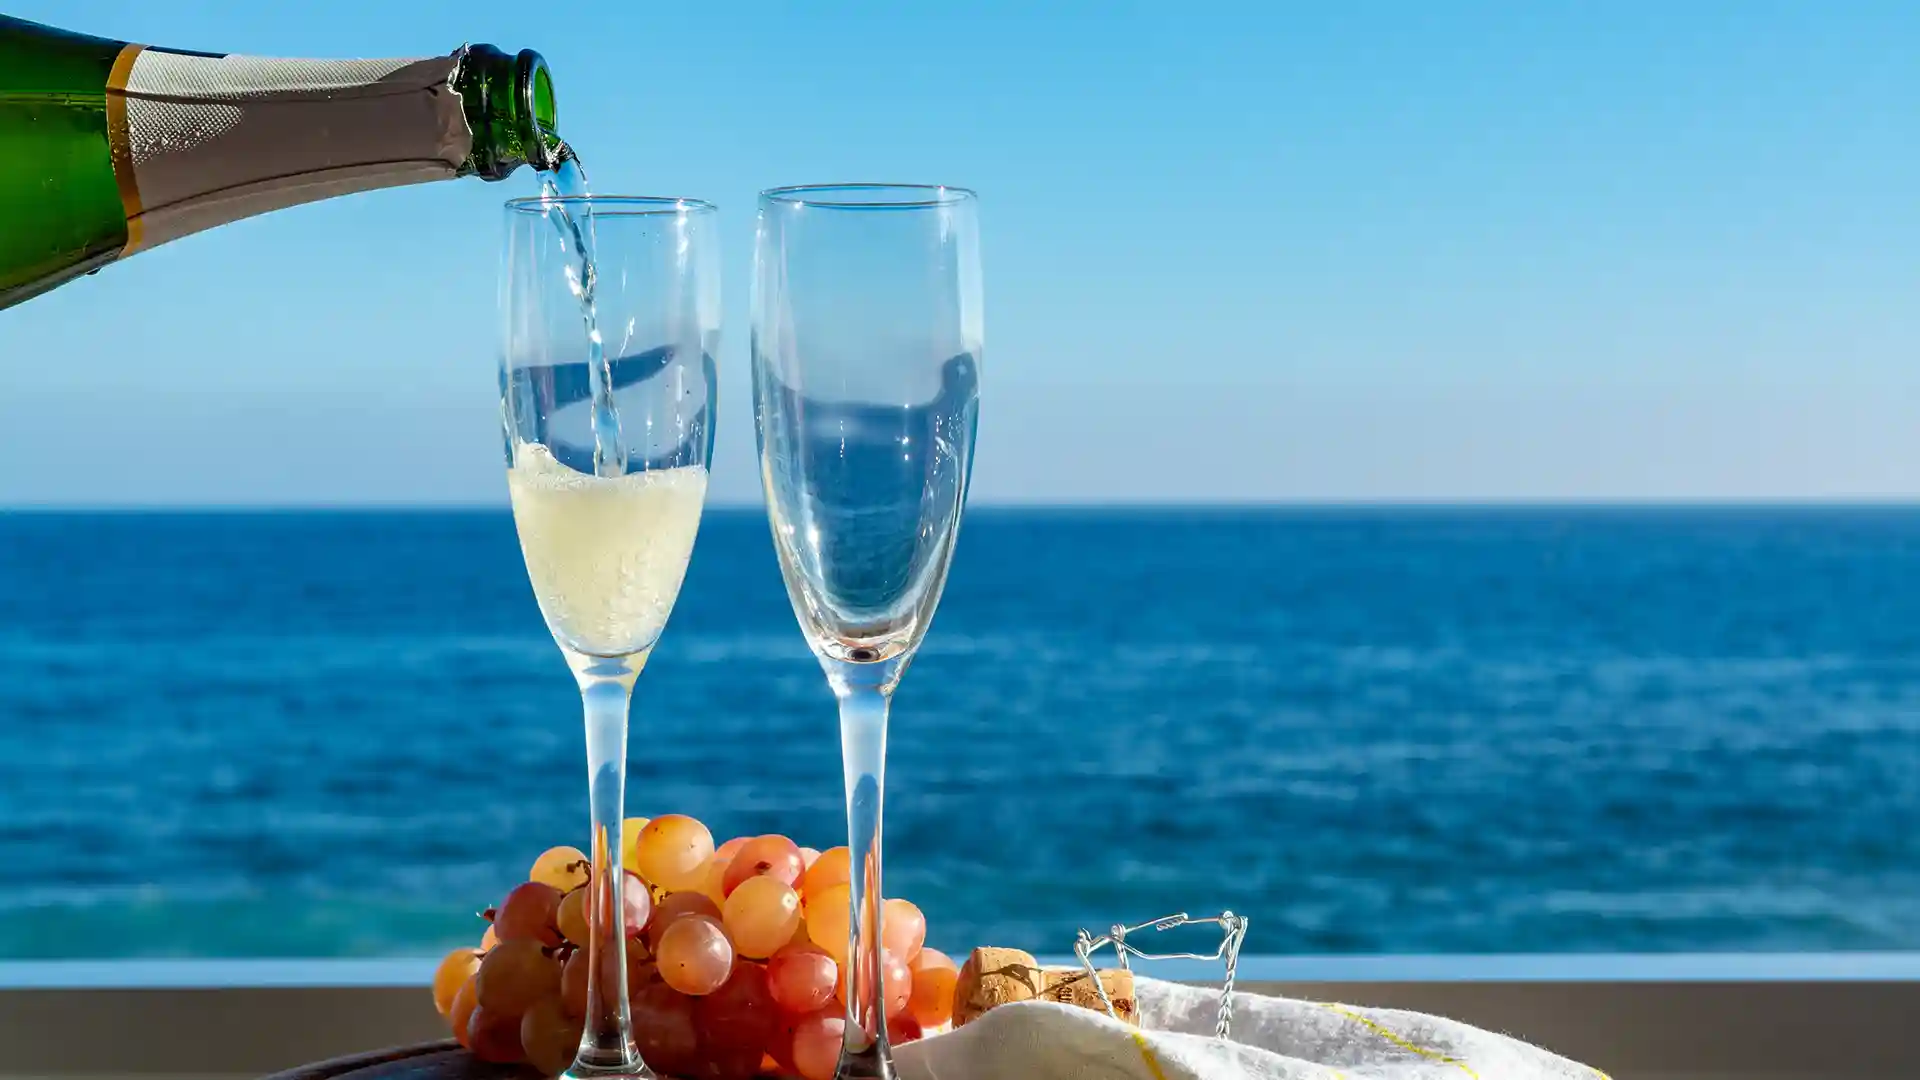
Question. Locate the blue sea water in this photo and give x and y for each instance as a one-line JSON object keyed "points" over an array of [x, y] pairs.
{"points": [[1393, 730]]}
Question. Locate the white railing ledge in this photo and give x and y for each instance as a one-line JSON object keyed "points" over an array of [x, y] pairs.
{"points": [[1821, 1016], [215, 974]]}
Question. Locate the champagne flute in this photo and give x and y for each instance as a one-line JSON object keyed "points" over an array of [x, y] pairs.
{"points": [[611, 308], [867, 335]]}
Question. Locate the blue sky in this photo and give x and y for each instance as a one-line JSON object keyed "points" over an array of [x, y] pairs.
{"points": [[1262, 251]]}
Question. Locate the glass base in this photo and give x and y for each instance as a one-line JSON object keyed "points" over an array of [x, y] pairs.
{"points": [[873, 1063], [631, 1070]]}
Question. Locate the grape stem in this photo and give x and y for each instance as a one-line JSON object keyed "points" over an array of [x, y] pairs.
{"points": [[865, 692]]}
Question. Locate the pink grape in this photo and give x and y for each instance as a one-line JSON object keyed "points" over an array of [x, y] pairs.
{"points": [[903, 929], [898, 981], [695, 956], [549, 1037], [514, 976], [494, 1037], [636, 901], [903, 1029], [809, 856], [896, 977], [816, 1044], [761, 916], [740, 1015], [802, 978], [726, 850], [674, 907], [528, 914], [573, 984], [764, 856], [664, 1029]]}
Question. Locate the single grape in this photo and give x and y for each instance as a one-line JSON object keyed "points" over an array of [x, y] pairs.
{"points": [[637, 901], [455, 969], [695, 956], [802, 978], [663, 1028], [514, 976], [714, 879], [550, 1038], [739, 1016], [672, 850], [934, 975], [929, 958], [726, 850], [903, 929], [573, 984], [528, 913], [560, 868], [903, 1029], [780, 1046], [673, 908], [571, 917], [765, 856], [833, 867], [816, 1044], [828, 913], [461, 1012], [489, 939], [898, 978], [494, 1037], [573, 977], [808, 856], [629, 839], [760, 916]]}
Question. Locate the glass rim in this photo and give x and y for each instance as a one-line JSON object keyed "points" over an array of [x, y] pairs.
{"points": [[932, 196], [613, 205]]}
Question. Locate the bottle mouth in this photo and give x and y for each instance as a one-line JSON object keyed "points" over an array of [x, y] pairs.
{"points": [[533, 87]]}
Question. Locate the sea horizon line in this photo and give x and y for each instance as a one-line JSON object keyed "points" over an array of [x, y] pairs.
{"points": [[1044, 506]]}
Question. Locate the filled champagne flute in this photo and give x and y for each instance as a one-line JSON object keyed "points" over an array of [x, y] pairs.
{"points": [[611, 311], [867, 337]]}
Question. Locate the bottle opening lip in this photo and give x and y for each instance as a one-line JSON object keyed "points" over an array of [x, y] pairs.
{"points": [[613, 205], [869, 196]]}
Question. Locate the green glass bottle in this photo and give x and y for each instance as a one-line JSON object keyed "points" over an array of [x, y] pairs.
{"points": [[108, 148]]}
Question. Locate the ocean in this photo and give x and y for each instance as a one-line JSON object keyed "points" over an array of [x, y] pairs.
{"points": [[1433, 730]]}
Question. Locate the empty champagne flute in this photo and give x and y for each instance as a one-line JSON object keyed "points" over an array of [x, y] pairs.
{"points": [[611, 310], [867, 336]]}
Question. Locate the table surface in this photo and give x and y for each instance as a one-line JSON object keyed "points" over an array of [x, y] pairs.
{"points": [[441, 1060]]}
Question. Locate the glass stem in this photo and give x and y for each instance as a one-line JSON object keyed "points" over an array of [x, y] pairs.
{"points": [[606, 1045], [863, 751]]}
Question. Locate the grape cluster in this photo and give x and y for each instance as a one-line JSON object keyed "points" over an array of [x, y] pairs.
{"points": [[736, 959]]}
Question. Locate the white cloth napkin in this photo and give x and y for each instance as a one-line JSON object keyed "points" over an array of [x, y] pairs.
{"points": [[1273, 1039]]}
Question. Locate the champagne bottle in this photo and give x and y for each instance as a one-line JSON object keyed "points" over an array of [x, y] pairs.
{"points": [[109, 148]]}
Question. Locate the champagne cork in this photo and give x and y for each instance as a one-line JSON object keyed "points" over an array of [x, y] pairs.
{"points": [[993, 977]]}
